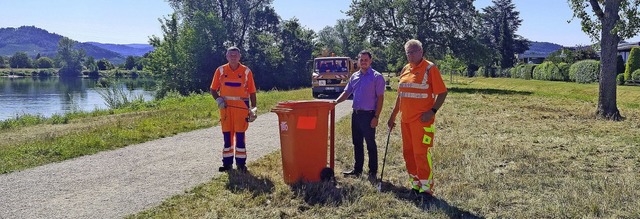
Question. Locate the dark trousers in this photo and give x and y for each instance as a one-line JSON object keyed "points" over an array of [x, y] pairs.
{"points": [[361, 130]]}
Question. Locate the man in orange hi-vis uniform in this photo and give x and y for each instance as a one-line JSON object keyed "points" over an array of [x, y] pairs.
{"points": [[421, 92], [234, 82]]}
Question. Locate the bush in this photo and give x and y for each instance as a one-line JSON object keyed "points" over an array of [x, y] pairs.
{"points": [[504, 73], [564, 71], [526, 72], [635, 75], [620, 79], [543, 71], [633, 62], [585, 71], [513, 72]]}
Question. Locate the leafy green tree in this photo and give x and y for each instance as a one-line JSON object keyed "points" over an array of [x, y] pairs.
{"points": [[3, 63], [187, 55], [612, 20], [296, 48], [44, 62], [503, 21], [353, 41], [237, 16], [71, 59], [20, 60], [633, 63], [263, 52], [436, 23], [330, 41], [130, 63], [104, 64], [90, 64]]}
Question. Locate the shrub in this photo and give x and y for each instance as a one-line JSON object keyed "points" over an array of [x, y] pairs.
{"points": [[526, 72], [585, 71], [635, 75], [504, 73], [513, 72], [482, 71], [563, 69], [543, 71], [620, 79], [633, 62]]}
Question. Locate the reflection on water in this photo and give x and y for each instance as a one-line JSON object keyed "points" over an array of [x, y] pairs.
{"points": [[48, 96]]}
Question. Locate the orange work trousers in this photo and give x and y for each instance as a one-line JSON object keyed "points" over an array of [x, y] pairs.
{"points": [[233, 120], [417, 139]]}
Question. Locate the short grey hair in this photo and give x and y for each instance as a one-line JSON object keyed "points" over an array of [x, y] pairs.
{"points": [[412, 42], [233, 48]]}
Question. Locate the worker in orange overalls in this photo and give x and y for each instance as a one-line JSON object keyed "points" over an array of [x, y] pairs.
{"points": [[421, 92], [234, 82]]}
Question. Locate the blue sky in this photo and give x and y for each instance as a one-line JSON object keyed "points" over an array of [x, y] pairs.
{"points": [[133, 21]]}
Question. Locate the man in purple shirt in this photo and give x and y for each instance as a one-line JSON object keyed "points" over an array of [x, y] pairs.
{"points": [[367, 86]]}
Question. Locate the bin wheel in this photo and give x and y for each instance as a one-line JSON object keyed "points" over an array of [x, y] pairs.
{"points": [[326, 174]]}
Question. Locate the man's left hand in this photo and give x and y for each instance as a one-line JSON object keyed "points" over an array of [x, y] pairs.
{"points": [[427, 116], [374, 122]]}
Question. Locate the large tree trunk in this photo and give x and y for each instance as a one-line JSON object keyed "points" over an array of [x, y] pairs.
{"points": [[607, 107]]}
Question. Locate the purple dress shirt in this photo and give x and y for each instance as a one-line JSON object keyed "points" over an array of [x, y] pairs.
{"points": [[365, 89]]}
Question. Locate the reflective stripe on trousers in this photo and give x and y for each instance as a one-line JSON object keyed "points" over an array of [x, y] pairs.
{"points": [[417, 140]]}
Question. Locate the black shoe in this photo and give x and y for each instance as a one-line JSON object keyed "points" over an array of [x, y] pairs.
{"points": [[242, 168], [225, 168], [373, 175], [352, 173]]}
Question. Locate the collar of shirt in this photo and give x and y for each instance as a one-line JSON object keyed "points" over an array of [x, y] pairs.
{"points": [[368, 72], [423, 62]]}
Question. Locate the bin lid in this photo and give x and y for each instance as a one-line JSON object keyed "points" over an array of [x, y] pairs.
{"points": [[306, 104]]}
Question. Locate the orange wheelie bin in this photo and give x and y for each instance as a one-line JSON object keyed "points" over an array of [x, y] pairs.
{"points": [[304, 127]]}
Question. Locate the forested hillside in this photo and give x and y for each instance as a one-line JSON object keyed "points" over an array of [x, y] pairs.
{"points": [[33, 40]]}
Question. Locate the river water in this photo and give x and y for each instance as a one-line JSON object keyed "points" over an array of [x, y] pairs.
{"points": [[49, 96]]}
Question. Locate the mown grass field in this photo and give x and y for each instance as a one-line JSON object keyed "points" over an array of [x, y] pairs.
{"points": [[504, 148]]}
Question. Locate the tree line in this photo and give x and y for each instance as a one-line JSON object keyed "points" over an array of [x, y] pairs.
{"points": [[70, 61], [280, 51]]}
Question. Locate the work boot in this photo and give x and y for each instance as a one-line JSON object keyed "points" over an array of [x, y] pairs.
{"points": [[373, 176], [225, 168], [242, 168]]}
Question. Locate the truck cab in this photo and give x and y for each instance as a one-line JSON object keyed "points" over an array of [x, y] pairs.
{"points": [[331, 74]]}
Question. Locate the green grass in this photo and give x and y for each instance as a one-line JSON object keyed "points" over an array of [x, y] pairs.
{"points": [[504, 148], [31, 141]]}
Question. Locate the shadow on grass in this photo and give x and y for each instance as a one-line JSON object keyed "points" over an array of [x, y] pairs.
{"points": [[245, 181], [319, 193], [487, 91], [433, 203]]}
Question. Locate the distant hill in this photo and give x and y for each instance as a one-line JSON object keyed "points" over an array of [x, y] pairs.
{"points": [[33, 40], [126, 49], [541, 49]]}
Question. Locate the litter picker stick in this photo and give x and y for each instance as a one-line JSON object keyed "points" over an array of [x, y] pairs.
{"points": [[384, 161]]}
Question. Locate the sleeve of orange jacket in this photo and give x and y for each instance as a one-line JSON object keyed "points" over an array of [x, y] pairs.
{"points": [[215, 83], [251, 87], [436, 81]]}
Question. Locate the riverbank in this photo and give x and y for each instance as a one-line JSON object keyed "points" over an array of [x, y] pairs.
{"points": [[59, 138]]}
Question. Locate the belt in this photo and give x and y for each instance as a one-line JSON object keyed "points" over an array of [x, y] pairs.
{"points": [[235, 98], [356, 111]]}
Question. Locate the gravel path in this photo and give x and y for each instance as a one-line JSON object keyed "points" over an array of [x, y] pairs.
{"points": [[113, 184]]}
